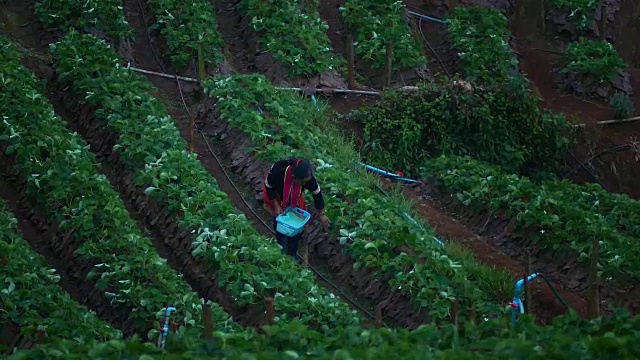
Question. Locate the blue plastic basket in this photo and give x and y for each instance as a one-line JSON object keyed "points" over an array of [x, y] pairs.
{"points": [[292, 221]]}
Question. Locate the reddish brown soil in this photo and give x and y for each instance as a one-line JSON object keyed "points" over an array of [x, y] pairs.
{"points": [[615, 170]]}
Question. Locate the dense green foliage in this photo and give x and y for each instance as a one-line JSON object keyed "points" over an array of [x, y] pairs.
{"points": [[103, 15], [31, 296], [581, 12], [249, 266], [480, 34], [568, 339], [594, 57], [560, 215], [499, 124], [186, 26], [64, 184], [293, 33], [376, 22], [371, 226]]}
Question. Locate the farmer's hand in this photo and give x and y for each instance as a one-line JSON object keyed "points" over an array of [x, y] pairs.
{"points": [[325, 221], [277, 208]]}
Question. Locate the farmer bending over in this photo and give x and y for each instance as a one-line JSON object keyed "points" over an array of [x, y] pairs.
{"points": [[283, 188]]}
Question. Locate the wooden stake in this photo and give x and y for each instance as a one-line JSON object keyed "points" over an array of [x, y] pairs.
{"points": [[192, 133], [542, 17], [201, 68], [270, 310], [527, 285], [305, 253], [208, 321], [379, 315], [593, 296], [472, 314], [455, 308], [389, 64], [603, 21], [350, 62], [41, 335]]}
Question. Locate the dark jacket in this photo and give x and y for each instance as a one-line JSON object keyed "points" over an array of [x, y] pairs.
{"points": [[275, 183]]}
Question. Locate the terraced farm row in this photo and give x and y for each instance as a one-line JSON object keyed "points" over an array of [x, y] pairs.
{"points": [[153, 183]]}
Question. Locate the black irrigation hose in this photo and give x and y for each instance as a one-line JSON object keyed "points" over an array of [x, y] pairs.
{"points": [[617, 148], [554, 291], [589, 171], [144, 21], [420, 20]]}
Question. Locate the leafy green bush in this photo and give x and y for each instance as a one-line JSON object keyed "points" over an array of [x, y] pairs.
{"points": [[500, 124], [480, 34], [622, 106], [377, 22], [593, 57]]}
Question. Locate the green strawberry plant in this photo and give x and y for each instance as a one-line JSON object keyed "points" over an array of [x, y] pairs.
{"points": [[581, 11], [185, 26], [376, 22], [480, 34], [103, 15], [250, 266], [31, 295], [559, 214], [282, 124], [63, 183], [594, 57], [293, 33]]}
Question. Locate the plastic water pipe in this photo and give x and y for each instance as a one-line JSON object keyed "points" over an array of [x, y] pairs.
{"points": [[517, 305], [387, 174], [425, 17], [165, 327], [398, 177]]}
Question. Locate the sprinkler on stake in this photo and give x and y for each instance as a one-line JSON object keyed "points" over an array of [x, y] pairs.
{"points": [[517, 301], [164, 331]]}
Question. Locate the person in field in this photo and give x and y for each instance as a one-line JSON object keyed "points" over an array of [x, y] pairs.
{"points": [[283, 187]]}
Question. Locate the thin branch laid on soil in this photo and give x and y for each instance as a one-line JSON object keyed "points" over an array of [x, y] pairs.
{"points": [[612, 122]]}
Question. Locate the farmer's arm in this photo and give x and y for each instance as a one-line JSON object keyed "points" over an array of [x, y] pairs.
{"points": [[314, 188], [274, 177]]}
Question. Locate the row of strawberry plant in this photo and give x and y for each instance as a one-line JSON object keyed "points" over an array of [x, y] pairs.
{"points": [[563, 215], [186, 27], [63, 182], [480, 35], [31, 295], [370, 226], [376, 22], [293, 33], [569, 338], [593, 57], [103, 15], [250, 266], [581, 12]]}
